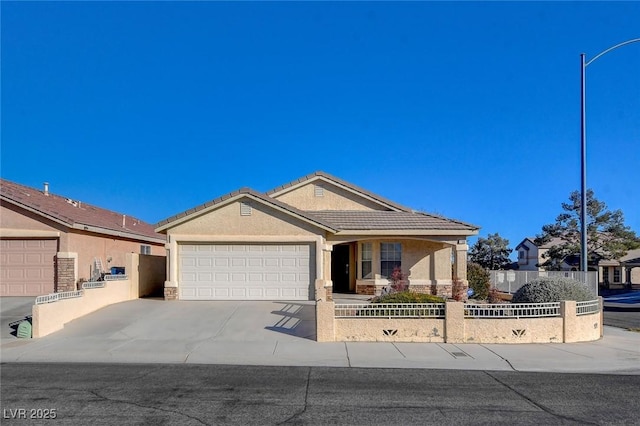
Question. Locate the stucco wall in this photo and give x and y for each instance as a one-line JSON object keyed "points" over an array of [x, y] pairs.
{"points": [[263, 220], [13, 218], [51, 317], [89, 246], [455, 328], [389, 330], [334, 198]]}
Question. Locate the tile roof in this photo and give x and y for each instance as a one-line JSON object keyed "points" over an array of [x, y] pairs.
{"points": [[346, 184], [389, 220], [247, 191], [76, 214]]}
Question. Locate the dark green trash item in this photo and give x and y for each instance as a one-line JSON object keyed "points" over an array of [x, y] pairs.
{"points": [[24, 330]]}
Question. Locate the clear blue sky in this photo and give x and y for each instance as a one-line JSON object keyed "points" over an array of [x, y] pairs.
{"points": [[469, 110]]}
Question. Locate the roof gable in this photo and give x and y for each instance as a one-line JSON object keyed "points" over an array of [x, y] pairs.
{"points": [[365, 197], [235, 196]]}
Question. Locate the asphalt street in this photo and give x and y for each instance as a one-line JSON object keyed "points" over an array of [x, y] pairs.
{"points": [[81, 394]]}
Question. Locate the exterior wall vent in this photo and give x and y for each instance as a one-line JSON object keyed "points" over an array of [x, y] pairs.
{"points": [[319, 191], [245, 209]]}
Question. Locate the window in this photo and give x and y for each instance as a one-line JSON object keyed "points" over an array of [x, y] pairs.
{"points": [[616, 275], [366, 257], [521, 254], [145, 249], [390, 257], [245, 209], [605, 274]]}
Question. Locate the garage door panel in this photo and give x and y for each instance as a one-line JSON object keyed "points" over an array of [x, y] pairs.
{"points": [[27, 267], [246, 271]]}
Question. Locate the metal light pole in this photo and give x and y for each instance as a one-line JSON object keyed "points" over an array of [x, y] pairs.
{"points": [[583, 149]]}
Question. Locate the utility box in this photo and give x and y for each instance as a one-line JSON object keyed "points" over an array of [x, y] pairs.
{"points": [[117, 270], [24, 330]]}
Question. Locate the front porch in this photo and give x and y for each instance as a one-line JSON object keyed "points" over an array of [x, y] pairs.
{"points": [[363, 265]]}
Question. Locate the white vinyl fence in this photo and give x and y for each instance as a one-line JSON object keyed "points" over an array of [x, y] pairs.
{"points": [[511, 281]]}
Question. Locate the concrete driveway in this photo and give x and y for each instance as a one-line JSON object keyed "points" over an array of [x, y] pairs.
{"points": [[153, 330]]}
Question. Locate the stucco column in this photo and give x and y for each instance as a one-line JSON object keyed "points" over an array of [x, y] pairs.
{"points": [[570, 328], [454, 322], [171, 285], [460, 264], [325, 324], [326, 284]]}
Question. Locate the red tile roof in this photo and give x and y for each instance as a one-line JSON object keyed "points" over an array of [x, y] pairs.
{"points": [[77, 214]]}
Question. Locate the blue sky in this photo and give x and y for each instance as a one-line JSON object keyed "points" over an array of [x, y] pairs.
{"points": [[469, 110]]}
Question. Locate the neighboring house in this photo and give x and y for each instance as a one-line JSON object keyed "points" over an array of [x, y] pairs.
{"points": [[315, 233], [530, 255], [50, 242], [621, 271], [615, 271]]}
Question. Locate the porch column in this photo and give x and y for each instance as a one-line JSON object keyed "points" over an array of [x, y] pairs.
{"points": [[460, 262], [324, 285]]}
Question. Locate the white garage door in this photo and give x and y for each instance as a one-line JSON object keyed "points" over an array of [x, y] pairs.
{"points": [[27, 267], [246, 271]]}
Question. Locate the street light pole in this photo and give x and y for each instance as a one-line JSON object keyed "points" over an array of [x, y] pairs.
{"points": [[583, 149]]}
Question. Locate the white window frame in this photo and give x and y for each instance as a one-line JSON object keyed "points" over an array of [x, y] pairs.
{"points": [[390, 248], [366, 260]]}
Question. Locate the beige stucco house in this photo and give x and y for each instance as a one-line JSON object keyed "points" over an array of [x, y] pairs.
{"points": [[307, 239], [48, 242]]}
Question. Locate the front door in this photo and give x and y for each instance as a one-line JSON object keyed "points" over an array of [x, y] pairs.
{"points": [[340, 268]]}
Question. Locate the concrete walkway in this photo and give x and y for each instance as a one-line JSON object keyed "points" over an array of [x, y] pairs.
{"points": [[280, 333]]}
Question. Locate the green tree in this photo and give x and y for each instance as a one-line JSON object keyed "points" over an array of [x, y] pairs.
{"points": [[491, 252], [479, 280], [607, 235]]}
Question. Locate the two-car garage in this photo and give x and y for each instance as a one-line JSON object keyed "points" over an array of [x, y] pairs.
{"points": [[239, 271]]}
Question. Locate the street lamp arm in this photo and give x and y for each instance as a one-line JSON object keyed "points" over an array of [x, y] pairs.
{"points": [[612, 48]]}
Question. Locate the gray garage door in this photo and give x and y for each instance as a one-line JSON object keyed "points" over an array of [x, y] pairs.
{"points": [[246, 271], [27, 267]]}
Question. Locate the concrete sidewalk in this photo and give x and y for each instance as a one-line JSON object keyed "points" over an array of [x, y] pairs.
{"points": [[281, 334]]}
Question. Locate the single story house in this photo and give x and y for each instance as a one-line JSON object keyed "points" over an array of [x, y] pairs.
{"points": [[48, 242], [306, 239]]}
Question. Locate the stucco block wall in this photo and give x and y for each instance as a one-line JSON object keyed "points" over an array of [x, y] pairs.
{"points": [[51, 317], [455, 328], [334, 198], [513, 330], [389, 330], [227, 220]]}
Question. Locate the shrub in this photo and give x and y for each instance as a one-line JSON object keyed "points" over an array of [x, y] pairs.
{"points": [[552, 289], [408, 297], [478, 280], [398, 280]]}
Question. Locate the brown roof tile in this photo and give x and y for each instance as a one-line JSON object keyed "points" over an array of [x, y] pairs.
{"points": [[75, 214], [389, 220]]}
